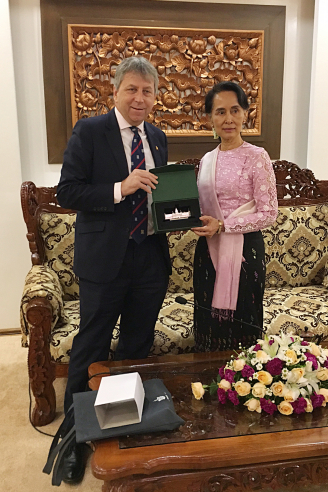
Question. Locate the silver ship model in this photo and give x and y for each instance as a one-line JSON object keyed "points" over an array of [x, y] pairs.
{"points": [[176, 215]]}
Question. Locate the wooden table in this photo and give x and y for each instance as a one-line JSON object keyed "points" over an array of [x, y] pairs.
{"points": [[256, 451]]}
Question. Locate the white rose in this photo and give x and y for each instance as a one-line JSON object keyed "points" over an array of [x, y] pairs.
{"points": [[238, 364], [259, 390], [224, 384], [253, 405]]}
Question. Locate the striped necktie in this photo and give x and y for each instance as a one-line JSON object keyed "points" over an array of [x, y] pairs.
{"points": [[139, 198]]}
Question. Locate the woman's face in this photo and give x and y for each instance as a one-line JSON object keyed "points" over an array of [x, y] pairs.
{"points": [[227, 117]]}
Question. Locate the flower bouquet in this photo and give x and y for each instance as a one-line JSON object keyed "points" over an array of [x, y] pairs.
{"points": [[280, 373]]}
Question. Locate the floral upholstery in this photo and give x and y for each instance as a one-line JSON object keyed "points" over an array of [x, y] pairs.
{"points": [[296, 294], [296, 247], [296, 308], [57, 232]]}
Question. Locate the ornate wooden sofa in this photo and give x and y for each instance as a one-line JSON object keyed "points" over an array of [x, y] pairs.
{"points": [[296, 295]]}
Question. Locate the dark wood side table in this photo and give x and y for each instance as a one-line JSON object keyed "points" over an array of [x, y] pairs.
{"points": [[220, 448]]}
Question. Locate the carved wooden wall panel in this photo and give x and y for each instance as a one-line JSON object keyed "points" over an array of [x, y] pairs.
{"points": [[188, 61], [184, 19]]}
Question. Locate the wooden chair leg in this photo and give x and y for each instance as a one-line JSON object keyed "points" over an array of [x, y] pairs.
{"points": [[41, 369]]}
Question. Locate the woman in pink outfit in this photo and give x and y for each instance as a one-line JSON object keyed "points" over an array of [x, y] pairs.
{"points": [[238, 198]]}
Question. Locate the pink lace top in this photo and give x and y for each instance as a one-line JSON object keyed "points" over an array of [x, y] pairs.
{"points": [[244, 174]]}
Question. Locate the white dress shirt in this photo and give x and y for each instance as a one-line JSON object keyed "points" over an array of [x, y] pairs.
{"points": [[127, 136]]}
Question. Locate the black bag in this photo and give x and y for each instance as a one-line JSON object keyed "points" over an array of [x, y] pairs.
{"points": [[158, 415]]}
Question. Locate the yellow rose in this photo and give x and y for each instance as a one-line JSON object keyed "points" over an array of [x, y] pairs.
{"points": [[224, 384], [278, 388], [253, 405], [259, 390], [197, 390], [290, 396], [291, 354], [309, 407], [285, 408], [322, 374], [238, 364], [298, 373], [242, 388], [324, 392], [264, 377], [314, 349]]}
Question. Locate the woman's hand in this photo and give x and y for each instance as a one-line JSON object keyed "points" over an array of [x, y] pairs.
{"points": [[210, 226]]}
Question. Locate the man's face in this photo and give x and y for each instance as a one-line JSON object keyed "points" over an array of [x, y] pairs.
{"points": [[135, 97]]}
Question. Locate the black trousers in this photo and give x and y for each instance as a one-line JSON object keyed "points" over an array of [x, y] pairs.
{"points": [[136, 294]]}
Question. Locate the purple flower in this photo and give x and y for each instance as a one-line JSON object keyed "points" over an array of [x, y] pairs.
{"points": [[292, 339], [229, 375], [325, 364], [233, 397], [222, 397], [274, 366], [271, 342], [304, 343], [267, 406], [221, 372], [317, 400], [299, 405], [247, 371], [312, 358], [257, 347]]}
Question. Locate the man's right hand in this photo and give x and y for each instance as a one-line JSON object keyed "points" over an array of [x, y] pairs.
{"points": [[139, 178]]}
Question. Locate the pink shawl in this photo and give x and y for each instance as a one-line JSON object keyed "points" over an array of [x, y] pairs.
{"points": [[226, 249]]}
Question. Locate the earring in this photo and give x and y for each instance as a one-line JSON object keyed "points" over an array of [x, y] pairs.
{"points": [[215, 135]]}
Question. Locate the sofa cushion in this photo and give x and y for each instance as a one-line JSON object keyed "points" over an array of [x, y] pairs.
{"points": [[174, 327], [182, 249], [57, 232], [296, 247], [296, 309], [173, 330]]}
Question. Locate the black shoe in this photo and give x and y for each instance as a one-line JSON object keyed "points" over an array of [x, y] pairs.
{"points": [[74, 463]]}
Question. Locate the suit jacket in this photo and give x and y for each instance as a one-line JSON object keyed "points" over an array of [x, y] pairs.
{"points": [[93, 161]]}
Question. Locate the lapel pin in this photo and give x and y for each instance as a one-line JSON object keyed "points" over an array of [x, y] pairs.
{"points": [[156, 147]]}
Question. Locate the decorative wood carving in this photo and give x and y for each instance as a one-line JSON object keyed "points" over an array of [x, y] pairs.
{"points": [[188, 61], [288, 476], [293, 182], [295, 186], [40, 367]]}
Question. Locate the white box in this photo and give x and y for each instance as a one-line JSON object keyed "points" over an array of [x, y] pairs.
{"points": [[120, 400]]}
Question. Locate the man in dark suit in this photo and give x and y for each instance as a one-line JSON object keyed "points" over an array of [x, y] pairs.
{"points": [[122, 266]]}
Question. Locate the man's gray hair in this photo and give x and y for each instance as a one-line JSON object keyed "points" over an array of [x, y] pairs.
{"points": [[136, 64]]}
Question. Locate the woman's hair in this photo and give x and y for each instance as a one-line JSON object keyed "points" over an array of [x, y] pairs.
{"points": [[226, 87], [136, 64]]}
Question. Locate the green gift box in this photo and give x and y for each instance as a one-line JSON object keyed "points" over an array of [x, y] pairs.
{"points": [[175, 204]]}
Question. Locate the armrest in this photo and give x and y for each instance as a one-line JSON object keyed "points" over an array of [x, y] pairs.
{"points": [[41, 283]]}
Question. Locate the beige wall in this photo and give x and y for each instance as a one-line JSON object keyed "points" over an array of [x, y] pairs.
{"points": [[13, 252], [23, 140]]}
